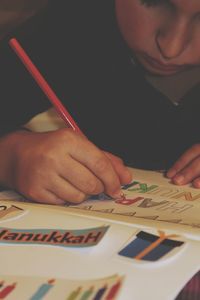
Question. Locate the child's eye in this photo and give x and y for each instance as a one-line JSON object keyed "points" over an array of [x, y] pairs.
{"points": [[153, 2]]}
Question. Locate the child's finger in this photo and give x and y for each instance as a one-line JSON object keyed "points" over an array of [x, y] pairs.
{"points": [[125, 175], [184, 160], [45, 196], [99, 164], [66, 191], [189, 173], [80, 177]]}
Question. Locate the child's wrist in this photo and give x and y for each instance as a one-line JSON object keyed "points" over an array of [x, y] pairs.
{"points": [[11, 151]]}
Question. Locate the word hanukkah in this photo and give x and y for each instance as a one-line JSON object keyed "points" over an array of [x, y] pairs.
{"points": [[56, 237]]}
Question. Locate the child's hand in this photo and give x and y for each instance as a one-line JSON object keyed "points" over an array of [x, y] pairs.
{"points": [[187, 168], [58, 166]]}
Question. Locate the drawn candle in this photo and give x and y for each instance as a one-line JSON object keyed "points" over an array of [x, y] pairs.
{"points": [[113, 291], [86, 295], [74, 294], [43, 290], [7, 290], [100, 293]]}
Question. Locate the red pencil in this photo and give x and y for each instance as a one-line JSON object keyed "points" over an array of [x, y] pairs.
{"points": [[62, 111]]}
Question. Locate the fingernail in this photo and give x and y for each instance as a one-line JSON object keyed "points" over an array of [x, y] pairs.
{"points": [[179, 179], [171, 173], [117, 194], [122, 195]]}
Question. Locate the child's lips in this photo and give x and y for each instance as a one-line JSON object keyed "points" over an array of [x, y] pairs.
{"points": [[157, 66], [162, 66]]}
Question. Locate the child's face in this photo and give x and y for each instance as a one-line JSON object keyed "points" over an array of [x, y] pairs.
{"points": [[163, 34]]}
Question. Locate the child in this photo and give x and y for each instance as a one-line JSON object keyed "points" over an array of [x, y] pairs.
{"points": [[110, 62]]}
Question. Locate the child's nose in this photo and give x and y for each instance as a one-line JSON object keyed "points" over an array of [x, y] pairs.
{"points": [[173, 38]]}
